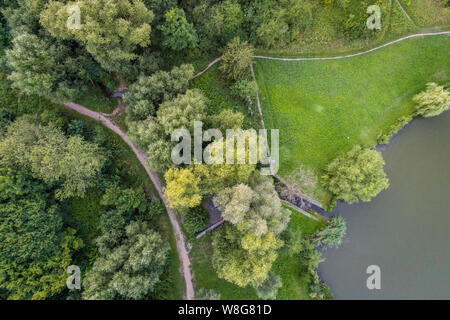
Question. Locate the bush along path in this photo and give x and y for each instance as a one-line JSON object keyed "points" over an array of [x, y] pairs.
{"points": [[179, 237]]}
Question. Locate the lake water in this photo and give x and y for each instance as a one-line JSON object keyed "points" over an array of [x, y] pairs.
{"points": [[405, 229]]}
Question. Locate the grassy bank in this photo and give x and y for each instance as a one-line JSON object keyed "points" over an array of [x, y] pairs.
{"points": [[324, 108]]}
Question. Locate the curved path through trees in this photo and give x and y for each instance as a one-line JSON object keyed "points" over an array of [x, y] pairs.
{"points": [[179, 237]]}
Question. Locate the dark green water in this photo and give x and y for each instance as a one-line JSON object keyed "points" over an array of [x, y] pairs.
{"points": [[405, 230]]}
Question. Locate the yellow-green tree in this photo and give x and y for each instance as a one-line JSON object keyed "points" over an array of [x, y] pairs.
{"points": [[358, 174], [244, 259], [433, 101], [182, 190]]}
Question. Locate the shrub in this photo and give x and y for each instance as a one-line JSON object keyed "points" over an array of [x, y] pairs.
{"points": [[206, 294], [245, 90], [195, 221], [156, 209], [433, 101], [236, 59], [331, 235], [269, 288], [75, 127], [383, 138]]}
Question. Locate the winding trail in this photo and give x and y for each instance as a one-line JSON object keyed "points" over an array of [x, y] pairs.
{"points": [[337, 57], [206, 69], [179, 237], [356, 54], [180, 241]]}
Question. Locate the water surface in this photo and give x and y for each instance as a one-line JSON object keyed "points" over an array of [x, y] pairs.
{"points": [[405, 229]]}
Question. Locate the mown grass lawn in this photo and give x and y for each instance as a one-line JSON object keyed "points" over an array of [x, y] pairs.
{"points": [[288, 267], [324, 108]]}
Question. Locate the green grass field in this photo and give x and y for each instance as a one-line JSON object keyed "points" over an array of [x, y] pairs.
{"points": [[324, 108], [287, 266]]}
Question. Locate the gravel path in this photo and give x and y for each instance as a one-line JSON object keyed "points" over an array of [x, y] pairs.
{"points": [[209, 66], [181, 244], [359, 53]]}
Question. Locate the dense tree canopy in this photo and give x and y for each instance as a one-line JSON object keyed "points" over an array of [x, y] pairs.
{"points": [[243, 259], [131, 270], [178, 33], [111, 30], [154, 133], [51, 156], [147, 93], [247, 245], [35, 247], [253, 208]]}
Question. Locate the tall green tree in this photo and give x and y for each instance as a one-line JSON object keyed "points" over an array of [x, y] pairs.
{"points": [[236, 59], [246, 247], [243, 259], [131, 270], [178, 33], [358, 174], [253, 208], [147, 93], [32, 63]]}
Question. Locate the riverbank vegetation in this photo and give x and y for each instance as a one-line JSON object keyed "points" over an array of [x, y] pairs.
{"points": [[324, 108]]}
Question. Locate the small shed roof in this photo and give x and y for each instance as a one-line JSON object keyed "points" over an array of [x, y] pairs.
{"points": [[117, 95]]}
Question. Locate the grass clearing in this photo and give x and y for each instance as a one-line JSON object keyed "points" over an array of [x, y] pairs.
{"points": [[324, 108], [399, 23], [427, 12], [287, 266], [220, 97], [323, 37], [96, 100]]}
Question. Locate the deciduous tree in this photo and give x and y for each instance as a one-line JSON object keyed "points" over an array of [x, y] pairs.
{"points": [[178, 33], [236, 59], [131, 270], [433, 101], [356, 175], [112, 31]]}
